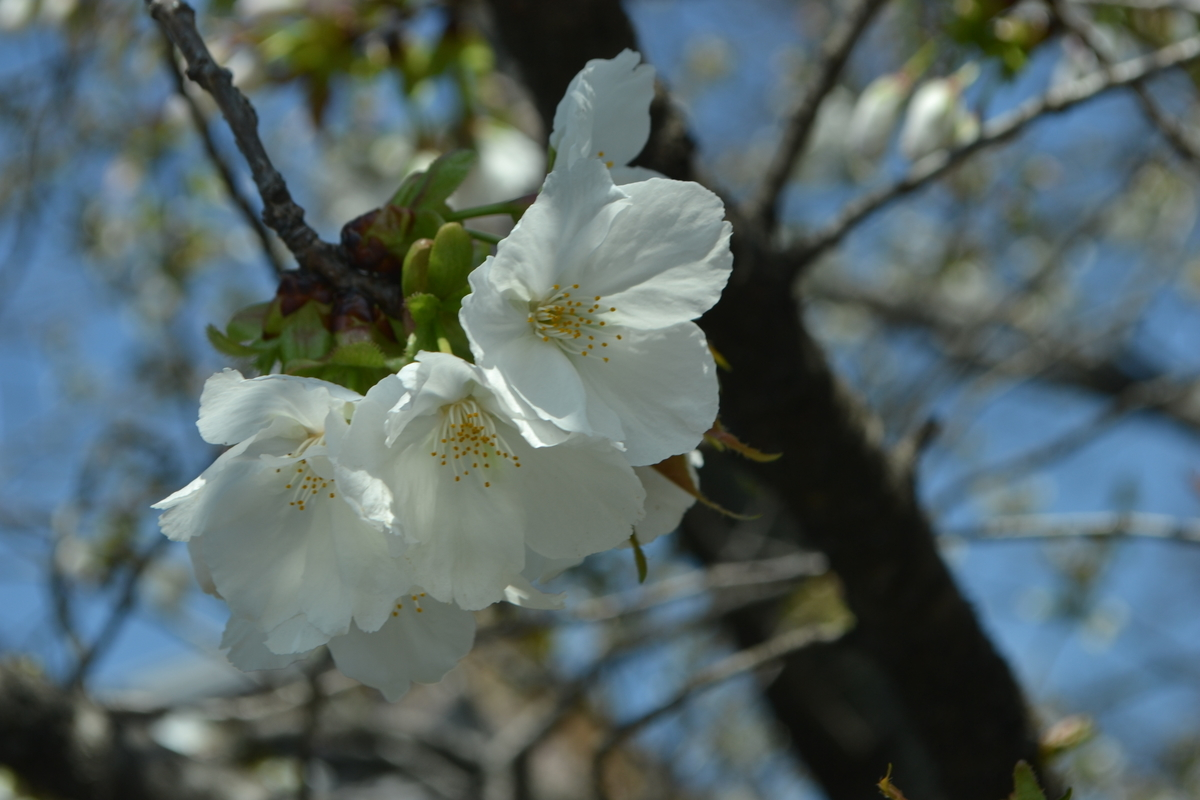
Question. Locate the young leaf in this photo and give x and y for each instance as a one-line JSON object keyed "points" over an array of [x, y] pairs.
{"points": [[444, 176], [639, 558], [675, 469], [229, 347], [248, 323], [889, 789], [1025, 785], [721, 439], [304, 335]]}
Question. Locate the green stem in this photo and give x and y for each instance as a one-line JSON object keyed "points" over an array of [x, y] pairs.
{"points": [[443, 341], [509, 207], [490, 238]]}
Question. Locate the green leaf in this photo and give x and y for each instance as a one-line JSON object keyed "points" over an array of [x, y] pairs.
{"points": [[248, 323], [304, 335], [443, 177], [273, 323], [229, 347], [639, 558], [1025, 785], [407, 192]]}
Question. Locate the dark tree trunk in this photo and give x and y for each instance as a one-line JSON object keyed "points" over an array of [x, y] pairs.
{"points": [[917, 684]]}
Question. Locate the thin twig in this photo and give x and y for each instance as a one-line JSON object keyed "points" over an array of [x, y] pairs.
{"points": [[119, 613], [1085, 525], [1000, 129], [1150, 394], [200, 122], [731, 666], [1148, 5], [280, 212], [1085, 30], [763, 209], [720, 576]]}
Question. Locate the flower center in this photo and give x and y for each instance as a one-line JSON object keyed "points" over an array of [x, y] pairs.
{"points": [[307, 485], [416, 604], [303, 481], [467, 442], [574, 323]]}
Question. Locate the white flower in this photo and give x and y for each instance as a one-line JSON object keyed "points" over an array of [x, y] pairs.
{"points": [[421, 641], [605, 115], [585, 310], [456, 479], [875, 114], [937, 118], [267, 520]]}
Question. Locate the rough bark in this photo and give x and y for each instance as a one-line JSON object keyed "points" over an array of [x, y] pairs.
{"points": [[918, 679]]}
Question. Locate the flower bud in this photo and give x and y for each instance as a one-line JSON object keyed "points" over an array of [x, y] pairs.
{"points": [[415, 278], [449, 260], [369, 239], [929, 125], [875, 114], [936, 115]]}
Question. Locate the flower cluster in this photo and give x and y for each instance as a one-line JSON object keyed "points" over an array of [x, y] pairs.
{"points": [[375, 524]]}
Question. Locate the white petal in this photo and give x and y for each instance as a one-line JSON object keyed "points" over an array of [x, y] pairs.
{"points": [[244, 640], [606, 109], [579, 498], [272, 562], [541, 569], [625, 175], [366, 494], [188, 512], [542, 377], [296, 635], [203, 576], [569, 220], [662, 385], [666, 258], [466, 542], [233, 409], [665, 503], [410, 647], [466, 523], [521, 593]]}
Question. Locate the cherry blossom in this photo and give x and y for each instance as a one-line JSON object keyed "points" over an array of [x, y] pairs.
{"points": [[605, 115], [434, 454], [584, 313], [267, 520]]}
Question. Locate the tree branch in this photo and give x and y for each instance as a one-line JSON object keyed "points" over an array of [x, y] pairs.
{"points": [[1000, 129], [763, 209], [731, 666], [280, 212], [200, 123], [1050, 360], [119, 613], [1086, 525], [1085, 30], [719, 576]]}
